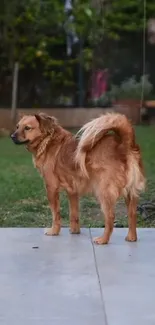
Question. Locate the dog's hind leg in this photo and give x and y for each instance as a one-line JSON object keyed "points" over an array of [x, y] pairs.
{"points": [[74, 213], [108, 205], [131, 203]]}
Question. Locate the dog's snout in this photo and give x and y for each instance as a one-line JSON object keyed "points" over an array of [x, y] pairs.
{"points": [[13, 136]]}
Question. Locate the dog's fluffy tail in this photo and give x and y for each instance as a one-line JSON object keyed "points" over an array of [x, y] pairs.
{"points": [[93, 131]]}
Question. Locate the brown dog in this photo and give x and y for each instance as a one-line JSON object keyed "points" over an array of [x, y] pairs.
{"points": [[108, 164]]}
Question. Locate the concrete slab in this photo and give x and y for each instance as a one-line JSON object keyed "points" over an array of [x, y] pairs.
{"points": [[55, 283], [127, 276], [67, 279]]}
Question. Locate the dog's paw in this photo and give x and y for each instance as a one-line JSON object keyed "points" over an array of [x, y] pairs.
{"points": [[54, 231], [75, 228], [100, 240], [131, 237]]}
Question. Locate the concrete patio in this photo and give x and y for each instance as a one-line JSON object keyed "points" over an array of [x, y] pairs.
{"points": [[68, 280]]}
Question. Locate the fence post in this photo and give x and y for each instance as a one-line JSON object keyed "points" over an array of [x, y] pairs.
{"points": [[81, 90], [14, 93]]}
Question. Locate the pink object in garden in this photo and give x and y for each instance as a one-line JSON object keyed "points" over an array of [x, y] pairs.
{"points": [[99, 83]]}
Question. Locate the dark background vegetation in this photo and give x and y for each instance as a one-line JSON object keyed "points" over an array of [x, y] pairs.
{"points": [[110, 35]]}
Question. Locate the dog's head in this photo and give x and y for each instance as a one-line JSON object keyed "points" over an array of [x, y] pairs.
{"points": [[32, 127]]}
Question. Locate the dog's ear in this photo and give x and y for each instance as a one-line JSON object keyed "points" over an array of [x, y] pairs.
{"points": [[47, 123]]}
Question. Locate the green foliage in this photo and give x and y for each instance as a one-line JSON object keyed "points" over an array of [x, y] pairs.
{"points": [[29, 29], [132, 89], [123, 16], [32, 32]]}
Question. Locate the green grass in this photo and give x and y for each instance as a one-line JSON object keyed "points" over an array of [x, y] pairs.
{"points": [[23, 201]]}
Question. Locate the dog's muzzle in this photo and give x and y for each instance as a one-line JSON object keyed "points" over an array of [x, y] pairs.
{"points": [[16, 141]]}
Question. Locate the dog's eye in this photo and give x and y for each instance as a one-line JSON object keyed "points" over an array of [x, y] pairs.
{"points": [[17, 126], [27, 128]]}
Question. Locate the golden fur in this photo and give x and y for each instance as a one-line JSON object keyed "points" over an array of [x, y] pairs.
{"points": [[103, 158]]}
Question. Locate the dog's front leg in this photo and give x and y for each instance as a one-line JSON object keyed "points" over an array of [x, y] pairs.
{"points": [[53, 198]]}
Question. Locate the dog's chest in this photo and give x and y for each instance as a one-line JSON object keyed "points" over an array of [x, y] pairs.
{"points": [[38, 163]]}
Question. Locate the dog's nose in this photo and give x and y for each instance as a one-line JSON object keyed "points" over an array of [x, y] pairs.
{"points": [[13, 136]]}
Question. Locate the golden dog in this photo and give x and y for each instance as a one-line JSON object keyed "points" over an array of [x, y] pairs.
{"points": [[103, 158]]}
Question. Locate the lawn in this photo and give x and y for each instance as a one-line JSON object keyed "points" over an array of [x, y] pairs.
{"points": [[23, 200]]}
